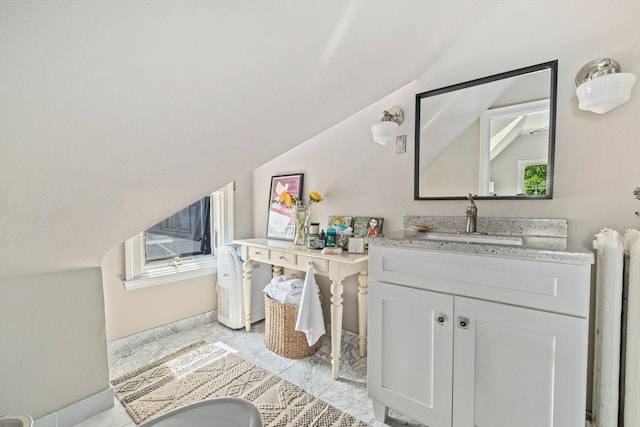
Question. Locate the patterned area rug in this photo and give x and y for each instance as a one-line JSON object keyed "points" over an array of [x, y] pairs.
{"points": [[202, 371]]}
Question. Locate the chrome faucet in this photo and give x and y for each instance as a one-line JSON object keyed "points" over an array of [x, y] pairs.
{"points": [[472, 215]]}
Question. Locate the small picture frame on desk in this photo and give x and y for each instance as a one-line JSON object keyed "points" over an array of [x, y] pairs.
{"points": [[356, 245], [367, 226], [339, 222]]}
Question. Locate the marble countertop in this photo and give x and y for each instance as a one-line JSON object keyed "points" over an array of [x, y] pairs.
{"points": [[542, 244]]}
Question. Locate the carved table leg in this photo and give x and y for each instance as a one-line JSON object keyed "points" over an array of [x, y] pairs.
{"points": [[362, 311], [277, 270], [246, 293], [336, 326]]}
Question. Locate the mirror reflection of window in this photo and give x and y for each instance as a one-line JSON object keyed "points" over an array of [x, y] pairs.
{"points": [[535, 180], [532, 177], [510, 134]]}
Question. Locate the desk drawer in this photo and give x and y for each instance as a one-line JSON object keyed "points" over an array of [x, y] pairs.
{"points": [[258, 253], [319, 265], [282, 258]]}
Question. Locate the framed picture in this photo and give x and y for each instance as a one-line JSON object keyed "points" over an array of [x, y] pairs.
{"points": [[280, 224], [367, 226], [340, 221]]}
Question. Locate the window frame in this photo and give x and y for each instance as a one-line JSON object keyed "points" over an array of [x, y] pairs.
{"points": [[139, 274]]}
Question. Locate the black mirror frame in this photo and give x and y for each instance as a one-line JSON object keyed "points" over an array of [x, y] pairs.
{"points": [[553, 87]]}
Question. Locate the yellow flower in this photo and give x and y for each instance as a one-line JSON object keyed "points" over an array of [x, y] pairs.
{"points": [[315, 197], [286, 199]]}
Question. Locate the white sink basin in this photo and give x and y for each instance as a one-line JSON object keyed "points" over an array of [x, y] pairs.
{"points": [[491, 239], [17, 420]]}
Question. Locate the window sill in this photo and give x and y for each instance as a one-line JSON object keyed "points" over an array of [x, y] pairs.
{"points": [[166, 274]]}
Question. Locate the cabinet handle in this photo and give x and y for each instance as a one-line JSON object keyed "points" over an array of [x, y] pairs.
{"points": [[282, 257], [441, 319], [463, 322]]}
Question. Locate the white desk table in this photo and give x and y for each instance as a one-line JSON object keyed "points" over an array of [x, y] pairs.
{"points": [[283, 254]]}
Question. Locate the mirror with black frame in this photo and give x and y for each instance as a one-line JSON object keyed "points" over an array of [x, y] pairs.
{"points": [[492, 136]]}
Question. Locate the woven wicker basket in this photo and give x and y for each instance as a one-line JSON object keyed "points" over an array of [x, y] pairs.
{"points": [[280, 335]]}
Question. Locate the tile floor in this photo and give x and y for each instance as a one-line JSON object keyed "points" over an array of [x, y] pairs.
{"points": [[348, 393]]}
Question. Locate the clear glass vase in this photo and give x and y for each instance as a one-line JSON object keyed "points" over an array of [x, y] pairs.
{"points": [[301, 217]]}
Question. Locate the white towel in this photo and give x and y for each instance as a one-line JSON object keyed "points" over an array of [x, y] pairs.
{"points": [[284, 295], [287, 282], [310, 319]]}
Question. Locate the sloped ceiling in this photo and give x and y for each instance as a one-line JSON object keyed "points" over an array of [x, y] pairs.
{"points": [[115, 114]]}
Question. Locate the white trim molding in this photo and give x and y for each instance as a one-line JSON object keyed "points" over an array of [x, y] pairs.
{"points": [[77, 412]]}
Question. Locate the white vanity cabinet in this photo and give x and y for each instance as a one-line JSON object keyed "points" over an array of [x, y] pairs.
{"points": [[477, 341]]}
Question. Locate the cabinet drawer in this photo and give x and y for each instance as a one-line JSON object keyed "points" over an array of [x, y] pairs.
{"points": [[258, 253], [280, 258], [561, 288], [319, 265]]}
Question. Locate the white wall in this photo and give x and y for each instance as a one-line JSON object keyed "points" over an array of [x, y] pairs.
{"points": [[53, 349], [116, 114], [130, 312]]}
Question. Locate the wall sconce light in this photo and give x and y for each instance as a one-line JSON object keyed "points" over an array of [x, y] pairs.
{"points": [[386, 129], [602, 87]]}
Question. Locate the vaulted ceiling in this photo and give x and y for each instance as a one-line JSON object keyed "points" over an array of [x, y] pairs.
{"points": [[116, 114]]}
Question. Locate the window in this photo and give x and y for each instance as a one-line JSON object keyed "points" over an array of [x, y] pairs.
{"points": [[535, 180], [186, 233], [532, 177], [182, 245]]}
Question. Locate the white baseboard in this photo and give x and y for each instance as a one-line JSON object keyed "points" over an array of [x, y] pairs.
{"points": [[77, 412], [134, 341]]}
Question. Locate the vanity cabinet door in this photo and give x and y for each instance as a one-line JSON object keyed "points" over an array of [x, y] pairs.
{"points": [[517, 367], [410, 353]]}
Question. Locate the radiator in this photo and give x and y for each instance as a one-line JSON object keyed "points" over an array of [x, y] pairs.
{"points": [[616, 370]]}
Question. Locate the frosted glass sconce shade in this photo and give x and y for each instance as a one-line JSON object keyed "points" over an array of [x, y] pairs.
{"points": [[602, 87], [386, 129], [384, 132]]}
